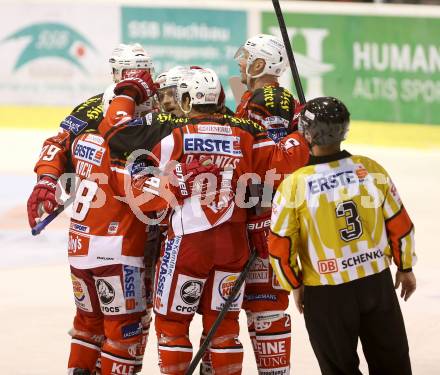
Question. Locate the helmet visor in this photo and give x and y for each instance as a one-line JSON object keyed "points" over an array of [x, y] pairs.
{"points": [[240, 54]]}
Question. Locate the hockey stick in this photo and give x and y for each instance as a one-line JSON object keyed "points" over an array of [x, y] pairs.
{"points": [[291, 58], [237, 286], [46, 221]]}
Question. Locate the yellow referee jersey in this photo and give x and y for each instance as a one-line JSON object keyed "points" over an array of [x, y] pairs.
{"points": [[336, 220]]}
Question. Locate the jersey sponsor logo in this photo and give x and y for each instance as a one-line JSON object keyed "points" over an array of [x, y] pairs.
{"points": [[131, 330], [106, 292], [361, 172], [327, 266], [166, 273], [275, 120], [259, 272], [89, 152], [94, 138], [181, 180], [276, 134], [269, 347], [357, 260], [323, 183], [81, 294], [110, 294], [214, 129], [80, 228], [121, 369], [105, 258], [222, 161], [354, 260], [269, 97], [113, 227], [138, 121], [191, 291], [78, 245], [226, 285], [73, 124], [289, 143], [133, 294], [260, 297], [212, 144], [187, 295], [221, 290]]}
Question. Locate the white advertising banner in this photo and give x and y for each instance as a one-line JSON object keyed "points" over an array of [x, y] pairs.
{"points": [[55, 53]]}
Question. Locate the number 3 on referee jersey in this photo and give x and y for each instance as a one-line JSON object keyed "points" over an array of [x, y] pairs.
{"points": [[353, 230]]}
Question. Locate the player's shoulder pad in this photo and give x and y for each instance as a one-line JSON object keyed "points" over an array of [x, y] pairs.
{"points": [[160, 119], [85, 115], [275, 99], [245, 124], [371, 165], [171, 120]]}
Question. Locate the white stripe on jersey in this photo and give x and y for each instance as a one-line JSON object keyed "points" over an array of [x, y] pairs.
{"points": [[263, 144], [166, 150], [313, 255], [226, 350], [118, 359], [175, 348], [273, 337], [120, 170], [86, 344]]}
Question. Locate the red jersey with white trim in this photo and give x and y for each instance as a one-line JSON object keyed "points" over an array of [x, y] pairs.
{"points": [[103, 229], [237, 146], [273, 107], [55, 154], [276, 109]]}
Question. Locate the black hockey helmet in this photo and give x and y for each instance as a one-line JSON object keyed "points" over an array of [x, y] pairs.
{"points": [[324, 121]]}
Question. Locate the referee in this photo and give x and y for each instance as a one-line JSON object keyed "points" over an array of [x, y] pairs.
{"points": [[336, 225]]}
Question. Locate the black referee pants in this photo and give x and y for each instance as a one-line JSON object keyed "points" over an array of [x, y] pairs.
{"points": [[336, 316]]}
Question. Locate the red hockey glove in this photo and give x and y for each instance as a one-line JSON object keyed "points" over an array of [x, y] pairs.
{"points": [[43, 193], [184, 175], [258, 230], [142, 84]]}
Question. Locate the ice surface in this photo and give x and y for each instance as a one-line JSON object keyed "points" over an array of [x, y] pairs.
{"points": [[37, 307]]}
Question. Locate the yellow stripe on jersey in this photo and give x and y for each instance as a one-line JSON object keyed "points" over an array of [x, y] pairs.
{"points": [[343, 220]]}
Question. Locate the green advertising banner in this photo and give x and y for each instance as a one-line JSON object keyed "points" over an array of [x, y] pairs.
{"points": [[208, 38], [383, 68]]}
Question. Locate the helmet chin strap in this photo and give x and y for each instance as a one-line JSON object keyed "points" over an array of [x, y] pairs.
{"points": [[181, 108], [250, 76]]}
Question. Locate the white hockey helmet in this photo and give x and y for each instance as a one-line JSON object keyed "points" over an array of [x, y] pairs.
{"points": [[267, 47], [202, 85], [140, 109], [128, 57], [171, 77]]}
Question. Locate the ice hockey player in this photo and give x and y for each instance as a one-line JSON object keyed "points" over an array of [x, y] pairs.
{"points": [[207, 246], [342, 217], [55, 154], [262, 60], [106, 255], [166, 93], [56, 158]]}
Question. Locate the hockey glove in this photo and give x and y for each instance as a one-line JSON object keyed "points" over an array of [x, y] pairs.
{"points": [[43, 196], [184, 175], [258, 230], [140, 87]]}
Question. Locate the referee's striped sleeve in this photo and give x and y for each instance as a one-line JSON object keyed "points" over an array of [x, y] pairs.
{"points": [[283, 238]]}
